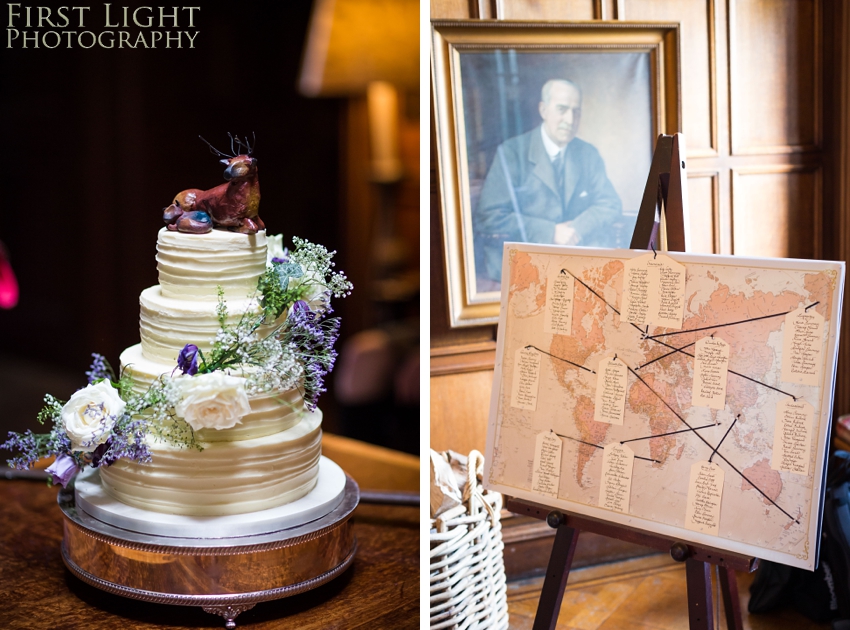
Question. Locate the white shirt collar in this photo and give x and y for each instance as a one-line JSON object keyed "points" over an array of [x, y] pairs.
{"points": [[552, 149]]}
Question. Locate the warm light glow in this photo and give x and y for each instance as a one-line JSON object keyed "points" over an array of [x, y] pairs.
{"points": [[354, 42], [383, 131]]}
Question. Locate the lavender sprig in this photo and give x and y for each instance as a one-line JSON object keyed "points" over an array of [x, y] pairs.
{"points": [[99, 369], [126, 441], [314, 337], [32, 447]]}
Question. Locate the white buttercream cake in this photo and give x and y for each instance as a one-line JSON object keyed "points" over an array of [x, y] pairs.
{"points": [[272, 456]]}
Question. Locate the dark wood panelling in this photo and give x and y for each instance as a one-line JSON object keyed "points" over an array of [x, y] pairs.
{"points": [[704, 212], [774, 211], [837, 170], [775, 64], [447, 9], [698, 77], [550, 10], [471, 357], [459, 407]]}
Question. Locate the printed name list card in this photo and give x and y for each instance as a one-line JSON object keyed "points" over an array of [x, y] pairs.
{"points": [[546, 473], [636, 290], [802, 343], [526, 379], [705, 492], [558, 318], [615, 488], [611, 380], [667, 303], [792, 436], [653, 291], [711, 366]]}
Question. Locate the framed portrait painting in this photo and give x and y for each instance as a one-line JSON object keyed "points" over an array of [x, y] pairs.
{"points": [[544, 133]]}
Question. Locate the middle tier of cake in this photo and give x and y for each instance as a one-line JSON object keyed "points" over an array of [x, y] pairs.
{"points": [[167, 324], [270, 458]]}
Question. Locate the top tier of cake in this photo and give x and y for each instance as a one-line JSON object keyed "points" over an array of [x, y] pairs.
{"points": [[192, 266], [182, 308]]}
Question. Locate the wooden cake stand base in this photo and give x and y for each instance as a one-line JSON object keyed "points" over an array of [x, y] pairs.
{"points": [[224, 576]]}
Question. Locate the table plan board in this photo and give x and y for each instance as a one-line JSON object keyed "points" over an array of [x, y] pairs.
{"points": [[685, 395]]}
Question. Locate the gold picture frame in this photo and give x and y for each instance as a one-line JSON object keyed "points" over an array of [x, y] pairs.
{"points": [[627, 75]]}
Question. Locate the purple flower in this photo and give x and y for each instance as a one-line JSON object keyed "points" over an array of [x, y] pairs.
{"points": [[300, 306], [126, 442], [63, 469], [280, 260], [187, 360], [99, 369], [314, 338]]}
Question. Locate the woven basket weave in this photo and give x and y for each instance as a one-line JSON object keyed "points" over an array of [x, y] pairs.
{"points": [[468, 589]]}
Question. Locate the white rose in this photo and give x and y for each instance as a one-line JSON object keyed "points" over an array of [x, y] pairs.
{"points": [[90, 415], [275, 248], [212, 401]]}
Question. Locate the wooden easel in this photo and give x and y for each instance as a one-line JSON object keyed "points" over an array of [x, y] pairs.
{"points": [[663, 213]]}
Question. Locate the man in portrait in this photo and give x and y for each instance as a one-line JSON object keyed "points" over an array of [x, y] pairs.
{"points": [[546, 186]]}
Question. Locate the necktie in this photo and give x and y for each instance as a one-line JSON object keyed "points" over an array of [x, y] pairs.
{"points": [[558, 165]]}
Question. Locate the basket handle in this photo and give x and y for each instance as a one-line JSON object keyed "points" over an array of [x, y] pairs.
{"points": [[475, 467]]}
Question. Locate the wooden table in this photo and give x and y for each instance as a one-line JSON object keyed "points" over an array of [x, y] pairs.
{"points": [[379, 590]]}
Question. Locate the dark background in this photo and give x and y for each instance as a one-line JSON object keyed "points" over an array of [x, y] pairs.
{"points": [[98, 141]]}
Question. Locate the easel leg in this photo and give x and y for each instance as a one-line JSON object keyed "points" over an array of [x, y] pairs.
{"points": [[700, 611], [556, 578], [731, 601]]}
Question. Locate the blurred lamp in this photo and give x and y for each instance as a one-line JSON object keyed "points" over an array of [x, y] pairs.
{"points": [[371, 47], [8, 283]]}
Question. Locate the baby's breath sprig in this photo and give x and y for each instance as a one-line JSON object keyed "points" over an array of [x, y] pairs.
{"points": [[221, 307], [317, 263], [51, 410]]}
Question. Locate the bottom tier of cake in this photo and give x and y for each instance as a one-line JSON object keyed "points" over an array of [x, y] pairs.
{"points": [[225, 477], [92, 498]]}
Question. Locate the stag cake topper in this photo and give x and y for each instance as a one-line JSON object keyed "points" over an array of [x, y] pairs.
{"points": [[234, 205]]}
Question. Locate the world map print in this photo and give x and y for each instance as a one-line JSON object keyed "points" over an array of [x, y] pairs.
{"points": [[743, 309]]}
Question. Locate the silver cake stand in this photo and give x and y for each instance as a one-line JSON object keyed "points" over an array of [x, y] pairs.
{"points": [[224, 576]]}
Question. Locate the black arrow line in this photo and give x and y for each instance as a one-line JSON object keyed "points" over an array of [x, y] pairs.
{"points": [[688, 354], [608, 304], [743, 321], [649, 437], [720, 455], [591, 290], [714, 452], [560, 359], [647, 459], [664, 356]]}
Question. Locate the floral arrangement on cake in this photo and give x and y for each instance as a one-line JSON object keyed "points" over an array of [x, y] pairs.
{"points": [[285, 340]]}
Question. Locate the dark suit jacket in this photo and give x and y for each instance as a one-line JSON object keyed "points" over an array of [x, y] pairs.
{"points": [[528, 208]]}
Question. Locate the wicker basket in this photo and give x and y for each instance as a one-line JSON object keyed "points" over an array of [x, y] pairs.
{"points": [[468, 587]]}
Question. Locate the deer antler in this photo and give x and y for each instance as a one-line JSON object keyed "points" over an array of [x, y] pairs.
{"points": [[245, 144], [216, 151]]}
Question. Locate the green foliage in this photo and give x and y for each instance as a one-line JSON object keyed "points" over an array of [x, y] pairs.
{"points": [[51, 411], [277, 293], [125, 385], [221, 307]]}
